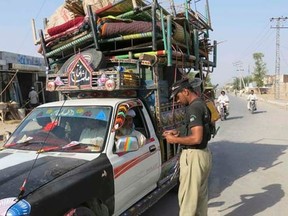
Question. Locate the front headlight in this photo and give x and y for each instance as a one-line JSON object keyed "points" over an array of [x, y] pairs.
{"points": [[12, 207]]}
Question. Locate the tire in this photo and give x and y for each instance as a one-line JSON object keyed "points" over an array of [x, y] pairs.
{"points": [[252, 107], [83, 211], [222, 114], [225, 112]]}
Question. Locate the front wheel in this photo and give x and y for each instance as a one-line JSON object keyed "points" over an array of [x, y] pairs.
{"points": [[252, 107], [222, 115]]}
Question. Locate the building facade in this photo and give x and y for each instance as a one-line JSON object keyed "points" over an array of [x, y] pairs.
{"points": [[18, 73]]}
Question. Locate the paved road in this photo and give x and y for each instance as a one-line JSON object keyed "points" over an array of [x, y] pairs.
{"points": [[250, 172], [250, 169]]}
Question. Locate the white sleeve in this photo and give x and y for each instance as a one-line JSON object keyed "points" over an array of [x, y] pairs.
{"points": [[141, 138]]}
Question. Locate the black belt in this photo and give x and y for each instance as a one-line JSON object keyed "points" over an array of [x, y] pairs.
{"points": [[193, 147]]}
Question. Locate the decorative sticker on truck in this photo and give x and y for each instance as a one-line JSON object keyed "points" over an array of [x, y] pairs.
{"points": [[100, 113], [122, 111], [129, 164], [80, 73]]}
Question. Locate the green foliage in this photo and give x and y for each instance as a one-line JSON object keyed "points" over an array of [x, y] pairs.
{"points": [[240, 83], [259, 69], [248, 79], [236, 83]]}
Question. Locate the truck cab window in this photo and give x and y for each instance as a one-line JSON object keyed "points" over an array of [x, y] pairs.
{"points": [[139, 124]]}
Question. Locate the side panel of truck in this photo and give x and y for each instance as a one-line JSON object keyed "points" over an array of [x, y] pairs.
{"points": [[136, 173]]}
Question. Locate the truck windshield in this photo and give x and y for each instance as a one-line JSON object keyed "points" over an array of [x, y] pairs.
{"points": [[69, 129]]}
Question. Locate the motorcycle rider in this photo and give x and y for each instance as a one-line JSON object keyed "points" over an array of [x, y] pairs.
{"points": [[223, 99], [251, 97]]}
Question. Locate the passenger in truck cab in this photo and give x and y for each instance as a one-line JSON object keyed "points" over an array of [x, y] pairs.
{"points": [[128, 128], [93, 132]]}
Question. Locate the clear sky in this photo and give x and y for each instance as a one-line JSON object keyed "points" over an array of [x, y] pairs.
{"points": [[15, 23], [240, 27], [243, 28]]}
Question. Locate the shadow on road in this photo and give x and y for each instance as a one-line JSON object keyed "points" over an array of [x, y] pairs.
{"points": [[233, 118], [258, 112], [232, 161], [167, 206], [251, 204]]}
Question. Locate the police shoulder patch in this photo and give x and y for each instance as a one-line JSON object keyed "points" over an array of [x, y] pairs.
{"points": [[192, 118]]}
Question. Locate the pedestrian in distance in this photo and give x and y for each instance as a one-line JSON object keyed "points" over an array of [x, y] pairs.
{"points": [[33, 98], [196, 158]]}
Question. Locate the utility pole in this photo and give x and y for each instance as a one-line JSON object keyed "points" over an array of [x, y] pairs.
{"points": [[248, 84], [277, 60], [239, 69]]}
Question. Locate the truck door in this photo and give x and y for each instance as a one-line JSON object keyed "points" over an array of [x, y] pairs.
{"points": [[136, 173]]}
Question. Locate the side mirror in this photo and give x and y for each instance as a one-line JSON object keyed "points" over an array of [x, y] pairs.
{"points": [[127, 144]]}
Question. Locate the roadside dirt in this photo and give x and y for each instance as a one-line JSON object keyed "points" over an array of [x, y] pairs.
{"points": [[272, 97], [9, 126]]}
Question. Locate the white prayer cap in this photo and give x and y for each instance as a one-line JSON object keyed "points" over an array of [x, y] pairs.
{"points": [[131, 113]]}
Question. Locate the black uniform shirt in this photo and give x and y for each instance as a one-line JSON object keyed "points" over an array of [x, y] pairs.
{"points": [[196, 112]]}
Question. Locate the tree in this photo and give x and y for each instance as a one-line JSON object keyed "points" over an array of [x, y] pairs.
{"points": [[248, 79], [259, 69], [236, 83]]}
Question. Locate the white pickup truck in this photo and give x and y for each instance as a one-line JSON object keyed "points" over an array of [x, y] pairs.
{"points": [[47, 170], [101, 67]]}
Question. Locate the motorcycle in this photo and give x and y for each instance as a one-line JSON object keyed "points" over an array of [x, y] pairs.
{"points": [[252, 106], [223, 111]]}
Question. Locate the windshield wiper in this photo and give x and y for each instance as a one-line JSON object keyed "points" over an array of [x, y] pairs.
{"points": [[24, 139], [47, 149]]}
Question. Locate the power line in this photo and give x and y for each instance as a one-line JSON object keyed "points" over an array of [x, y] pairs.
{"points": [[258, 40], [278, 26], [28, 30]]}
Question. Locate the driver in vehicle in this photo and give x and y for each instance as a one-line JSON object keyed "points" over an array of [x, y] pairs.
{"points": [[51, 126], [128, 129]]}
